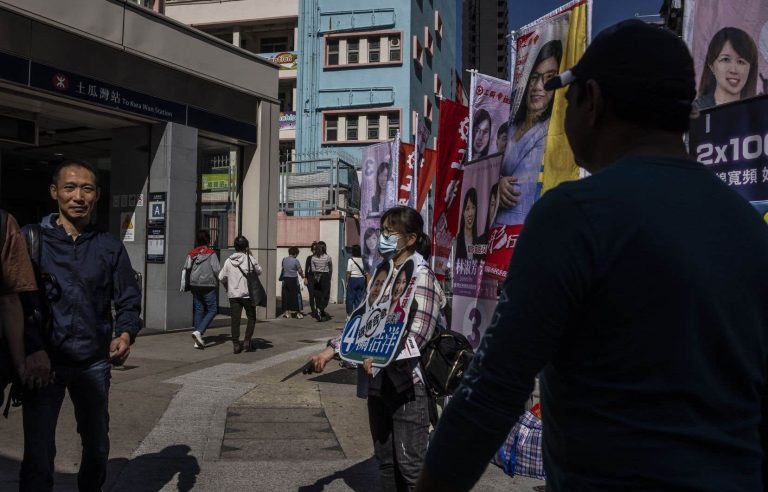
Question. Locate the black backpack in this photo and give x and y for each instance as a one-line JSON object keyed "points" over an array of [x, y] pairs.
{"points": [[444, 359]]}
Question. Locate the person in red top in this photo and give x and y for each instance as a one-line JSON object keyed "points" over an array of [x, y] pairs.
{"points": [[202, 266]]}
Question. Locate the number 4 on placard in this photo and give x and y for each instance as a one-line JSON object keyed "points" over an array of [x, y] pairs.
{"points": [[351, 335]]}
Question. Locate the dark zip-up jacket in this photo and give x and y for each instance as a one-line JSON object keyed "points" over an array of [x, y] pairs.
{"points": [[92, 272]]}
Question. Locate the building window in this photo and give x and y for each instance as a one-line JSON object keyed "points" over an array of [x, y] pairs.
{"points": [[394, 48], [438, 25], [418, 52], [331, 128], [393, 124], [343, 128], [427, 108], [374, 50], [438, 86], [333, 52], [373, 126], [273, 45], [352, 127], [428, 40], [353, 51]]}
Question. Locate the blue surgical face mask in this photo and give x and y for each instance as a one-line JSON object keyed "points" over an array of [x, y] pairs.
{"points": [[388, 245]]}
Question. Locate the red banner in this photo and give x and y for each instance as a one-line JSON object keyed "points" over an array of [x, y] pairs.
{"points": [[426, 175], [405, 175], [453, 133]]}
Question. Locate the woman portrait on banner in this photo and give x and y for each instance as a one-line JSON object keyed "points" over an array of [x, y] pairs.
{"points": [[481, 133], [371, 256], [398, 405], [730, 69], [467, 235], [398, 289], [379, 199], [493, 206], [518, 185]]}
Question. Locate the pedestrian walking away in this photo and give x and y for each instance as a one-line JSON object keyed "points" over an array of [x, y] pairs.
{"points": [[93, 273], [355, 279], [291, 292], [233, 277], [646, 323], [398, 403], [200, 276], [308, 277], [16, 278], [322, 271]]}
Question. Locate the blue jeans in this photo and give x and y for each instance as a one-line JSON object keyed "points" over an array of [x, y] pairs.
{"points": [[88, 388], [204, 300], [355, 293]]}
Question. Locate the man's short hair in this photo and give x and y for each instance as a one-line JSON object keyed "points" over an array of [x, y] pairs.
{"points": [[64, 163]]}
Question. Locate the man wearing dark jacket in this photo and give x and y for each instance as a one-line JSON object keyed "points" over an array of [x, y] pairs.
{"points": [[92, 271]]}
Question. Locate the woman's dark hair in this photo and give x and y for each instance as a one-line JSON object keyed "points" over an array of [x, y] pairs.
{"points": [[241, 244], [480, 116], [408, 220], [471, 196], [368, 233], [203, 238], [320, 248], [354, 250], [502, 129], [293, 251], [384, 166], [552, 49], [744, 46], [493, 194]]}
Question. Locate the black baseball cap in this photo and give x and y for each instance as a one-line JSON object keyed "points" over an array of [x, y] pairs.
{"points": [[634, 58]]}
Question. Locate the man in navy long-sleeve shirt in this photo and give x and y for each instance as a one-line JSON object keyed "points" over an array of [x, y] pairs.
{"points": [[85, 272], [640, 295]]}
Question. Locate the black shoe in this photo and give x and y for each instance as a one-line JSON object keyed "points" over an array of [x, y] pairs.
{"points": [[237, 347]]}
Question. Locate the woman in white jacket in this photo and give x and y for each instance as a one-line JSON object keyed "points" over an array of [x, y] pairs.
{"points": [[232, 275]]}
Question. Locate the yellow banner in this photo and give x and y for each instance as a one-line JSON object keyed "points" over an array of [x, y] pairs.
{"points": [[558, 162]]}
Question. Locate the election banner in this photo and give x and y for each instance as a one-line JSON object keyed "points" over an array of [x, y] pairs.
{"points": [[489, 106], [378, 191], [729, 44], [732, 140], [426, 175], [537, 156], [407, 165], [474, 292], [453, 132], [376, 328]]}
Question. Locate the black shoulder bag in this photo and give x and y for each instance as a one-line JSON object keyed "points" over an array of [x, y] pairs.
{"points": [[255, 290]]}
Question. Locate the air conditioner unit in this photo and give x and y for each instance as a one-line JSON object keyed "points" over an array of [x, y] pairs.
{"points": [[373, 57], [394, 42], [352, 58]]}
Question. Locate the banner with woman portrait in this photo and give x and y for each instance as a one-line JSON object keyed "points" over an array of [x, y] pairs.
{"points": [[729, 44], [376, 328], [378, 193], [489, 111], [537, 156], [474, 291]]}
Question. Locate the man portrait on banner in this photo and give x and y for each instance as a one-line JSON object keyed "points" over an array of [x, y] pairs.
{"points": [[519, 181]]}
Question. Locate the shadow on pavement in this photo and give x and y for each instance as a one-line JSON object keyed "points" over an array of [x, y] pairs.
{"points": [[360, 477], [148, 472], [260, 344], [216, 340]]}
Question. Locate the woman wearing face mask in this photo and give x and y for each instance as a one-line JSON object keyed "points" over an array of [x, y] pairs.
{"points": [[527, 137], [398, 405], [730, 72]]}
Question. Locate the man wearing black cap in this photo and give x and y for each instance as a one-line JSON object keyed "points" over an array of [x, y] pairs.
{"points": [[639, 294]]}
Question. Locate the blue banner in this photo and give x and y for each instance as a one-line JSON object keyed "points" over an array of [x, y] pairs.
{"points": [[732, 140]]}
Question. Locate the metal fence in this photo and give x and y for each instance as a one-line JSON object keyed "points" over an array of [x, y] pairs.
{"points": [[317, 183]]}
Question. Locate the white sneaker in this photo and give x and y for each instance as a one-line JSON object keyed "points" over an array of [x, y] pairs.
{"points": [[198, 339]]}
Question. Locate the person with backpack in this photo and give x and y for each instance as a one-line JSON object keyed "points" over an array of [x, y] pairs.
{"points": [[234, 277], [16, 277], [92, 273], [355, 279], [399, 406], [200, 276]]}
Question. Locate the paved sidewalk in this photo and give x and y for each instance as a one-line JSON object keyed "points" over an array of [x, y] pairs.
{"points": [[186, 419]]}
